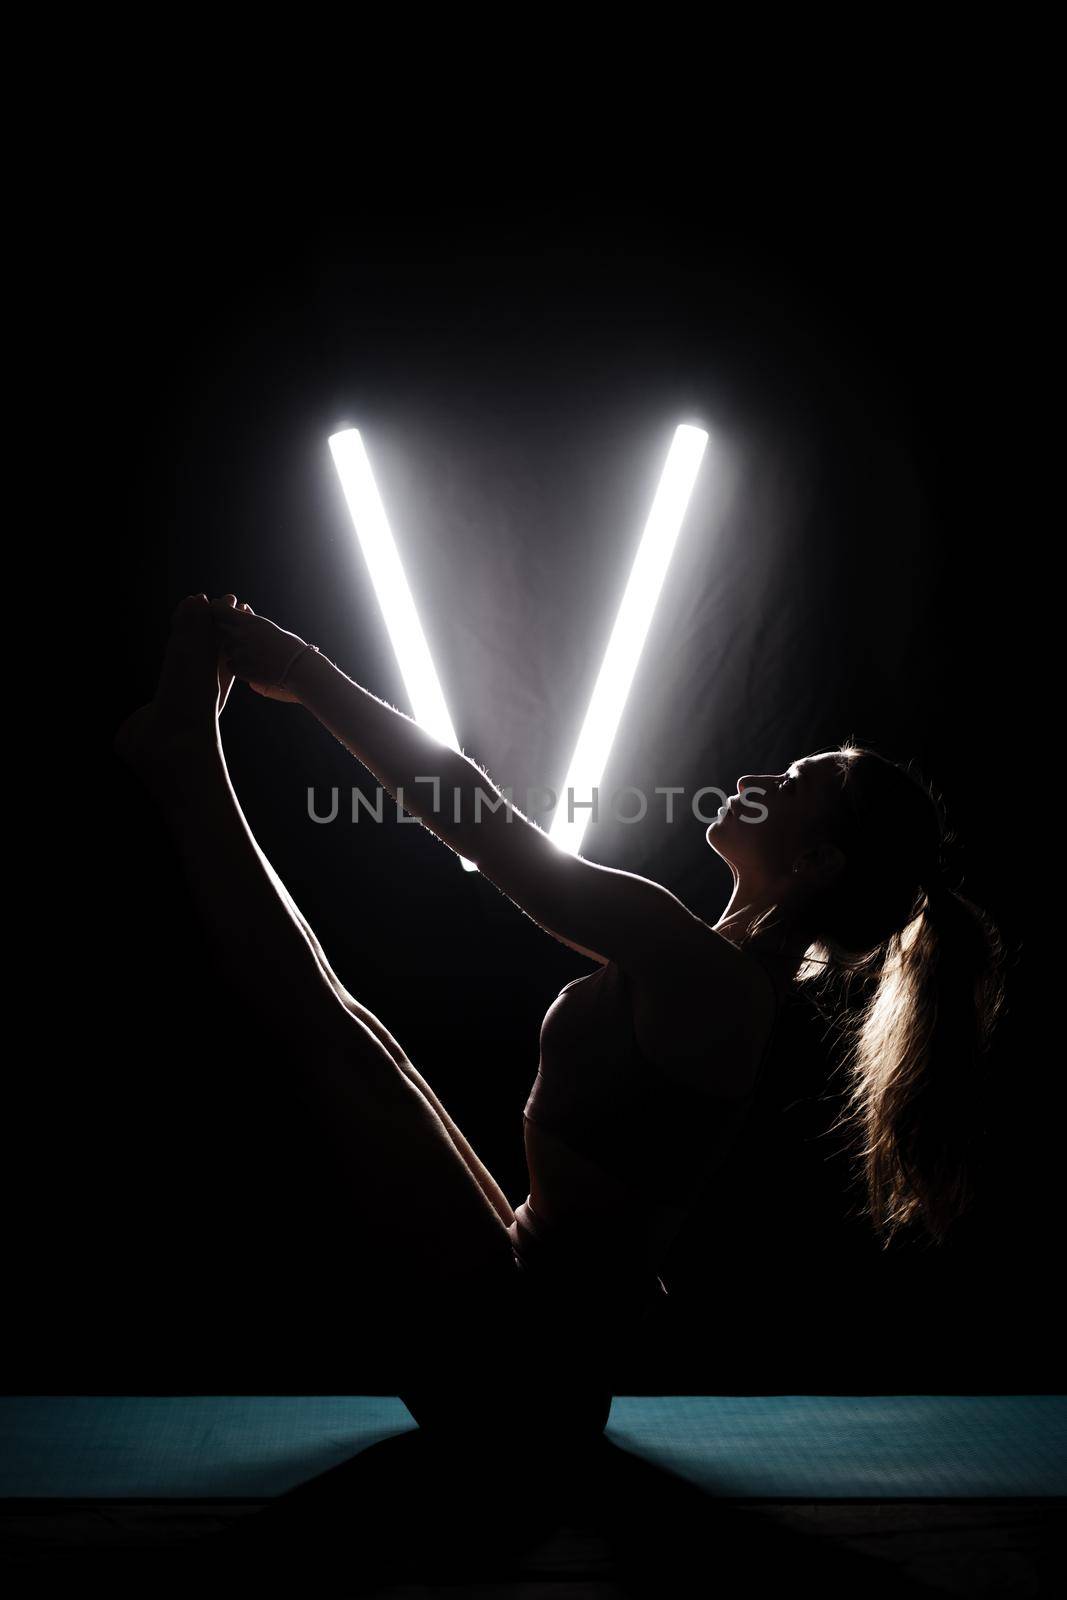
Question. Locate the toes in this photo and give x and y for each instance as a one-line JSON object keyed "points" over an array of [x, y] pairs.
{"points": [[188, 684]]}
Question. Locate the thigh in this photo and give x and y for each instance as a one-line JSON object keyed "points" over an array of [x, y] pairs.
{"points": [[392, 1047], [417, 1214]]}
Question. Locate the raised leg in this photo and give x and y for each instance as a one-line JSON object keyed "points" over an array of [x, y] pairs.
{"points": [[483, 1177], [416, 1201]]}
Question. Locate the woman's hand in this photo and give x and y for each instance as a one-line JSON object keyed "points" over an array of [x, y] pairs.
{"points": [[256, 650]]}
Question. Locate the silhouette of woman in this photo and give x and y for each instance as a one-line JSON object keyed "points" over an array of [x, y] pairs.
{"points": [[508, 1320]]}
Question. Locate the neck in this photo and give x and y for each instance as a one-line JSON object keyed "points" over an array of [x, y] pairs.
{"points": [[784, 937]]}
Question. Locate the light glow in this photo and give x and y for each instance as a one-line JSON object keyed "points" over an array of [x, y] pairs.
{"points": [[628, 635], [391, 587]]}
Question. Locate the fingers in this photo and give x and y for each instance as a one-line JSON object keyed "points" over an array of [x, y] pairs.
{"points": [[226, 611], [187, 608]]}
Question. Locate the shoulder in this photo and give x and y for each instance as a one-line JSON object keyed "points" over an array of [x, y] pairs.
{"points": [[602, 912], [705, 1018]]}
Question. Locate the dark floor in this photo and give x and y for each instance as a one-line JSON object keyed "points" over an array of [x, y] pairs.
{"points": [[381, 1525]]}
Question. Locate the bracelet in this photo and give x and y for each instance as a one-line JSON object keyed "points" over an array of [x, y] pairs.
{"points": [[293, 661]]}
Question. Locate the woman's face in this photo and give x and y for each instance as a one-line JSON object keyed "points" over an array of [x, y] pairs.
{"points": [[776, 816]]}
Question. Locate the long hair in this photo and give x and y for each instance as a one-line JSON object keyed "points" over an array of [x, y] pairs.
{"points": [[930, 964]]}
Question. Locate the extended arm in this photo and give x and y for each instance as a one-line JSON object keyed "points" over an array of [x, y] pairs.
{"points": [[604, 913], [432, 782]]}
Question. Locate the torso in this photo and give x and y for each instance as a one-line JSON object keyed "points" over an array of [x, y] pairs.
{"points": [[695, 1029], [671, 1025]]}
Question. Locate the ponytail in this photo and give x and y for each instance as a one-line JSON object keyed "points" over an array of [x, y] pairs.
{"points": [[916, 1065]]}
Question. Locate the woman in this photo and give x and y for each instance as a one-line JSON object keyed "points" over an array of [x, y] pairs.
{"points": [[507, 1320]]}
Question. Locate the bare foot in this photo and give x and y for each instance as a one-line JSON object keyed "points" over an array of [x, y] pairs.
{"points": [[162, 738]]}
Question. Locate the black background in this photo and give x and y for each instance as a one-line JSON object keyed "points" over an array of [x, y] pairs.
{"points": [[516, 360]]}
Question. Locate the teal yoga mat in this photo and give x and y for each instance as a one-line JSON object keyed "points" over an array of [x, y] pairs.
{"points": [[760, 1446]]}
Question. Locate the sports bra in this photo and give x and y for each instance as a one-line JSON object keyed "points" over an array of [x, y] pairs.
{"points": [[598, 1094]]}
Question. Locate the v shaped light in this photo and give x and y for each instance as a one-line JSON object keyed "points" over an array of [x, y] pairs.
{"points": [[627, 640]]}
